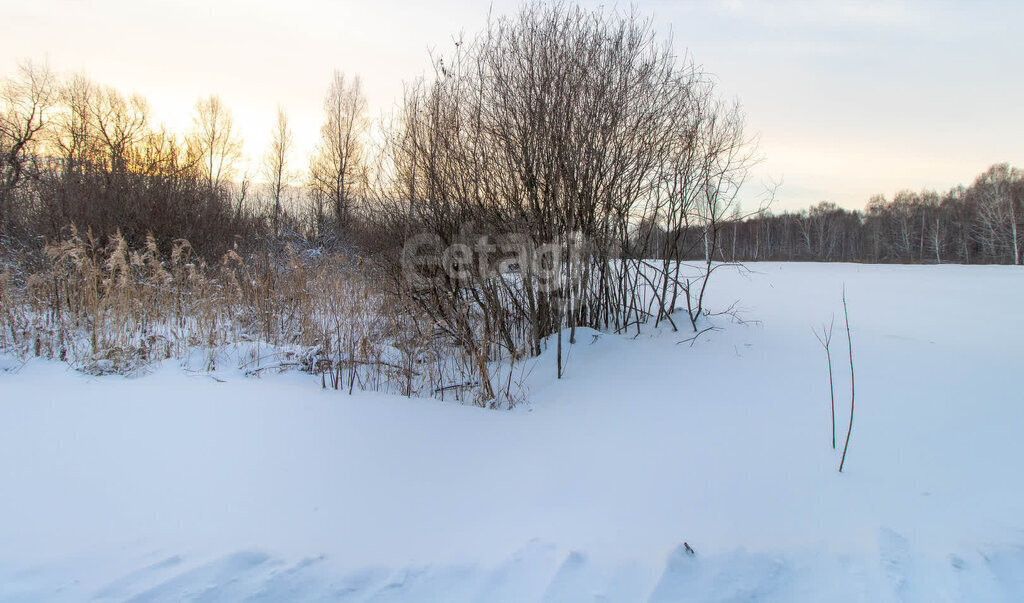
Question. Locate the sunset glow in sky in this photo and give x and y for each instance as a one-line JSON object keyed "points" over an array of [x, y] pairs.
{"points": [[849, 98]]}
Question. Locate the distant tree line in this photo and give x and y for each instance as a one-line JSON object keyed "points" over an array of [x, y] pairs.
{"points": [[978, 224]]}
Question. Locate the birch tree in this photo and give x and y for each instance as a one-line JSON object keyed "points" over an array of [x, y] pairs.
{"points": [[215, 142], [276, 163], [336, 169]]}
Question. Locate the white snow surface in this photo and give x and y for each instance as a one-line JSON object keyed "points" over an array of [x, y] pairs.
{"points": [[178, 486]]}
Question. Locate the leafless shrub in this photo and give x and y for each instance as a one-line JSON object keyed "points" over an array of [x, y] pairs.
{"points": [[547, 140]]}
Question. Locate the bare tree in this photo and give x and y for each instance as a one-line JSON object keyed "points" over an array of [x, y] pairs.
{"points": [[119, 125], [71, 135], [214, 142], [336, 169], [275, 164], [997, 229], [24, 104]]}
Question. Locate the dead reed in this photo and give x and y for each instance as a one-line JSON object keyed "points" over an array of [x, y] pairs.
{"points": [[111, 309]]}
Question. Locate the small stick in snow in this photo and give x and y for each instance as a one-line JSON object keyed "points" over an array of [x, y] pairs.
{"points": [[693, 339], [825, 338], [849, 343]]}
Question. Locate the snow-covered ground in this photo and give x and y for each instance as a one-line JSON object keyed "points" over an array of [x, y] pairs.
{"points": [[178, 486]]}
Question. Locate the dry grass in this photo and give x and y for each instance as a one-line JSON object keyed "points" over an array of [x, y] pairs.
{"points": [[112, 309]]}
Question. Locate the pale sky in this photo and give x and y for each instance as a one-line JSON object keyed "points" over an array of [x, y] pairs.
{"points": [[849, 98]]}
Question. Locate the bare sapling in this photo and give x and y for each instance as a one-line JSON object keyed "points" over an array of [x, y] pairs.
{"points": [[849, 344], [825, 338]]}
